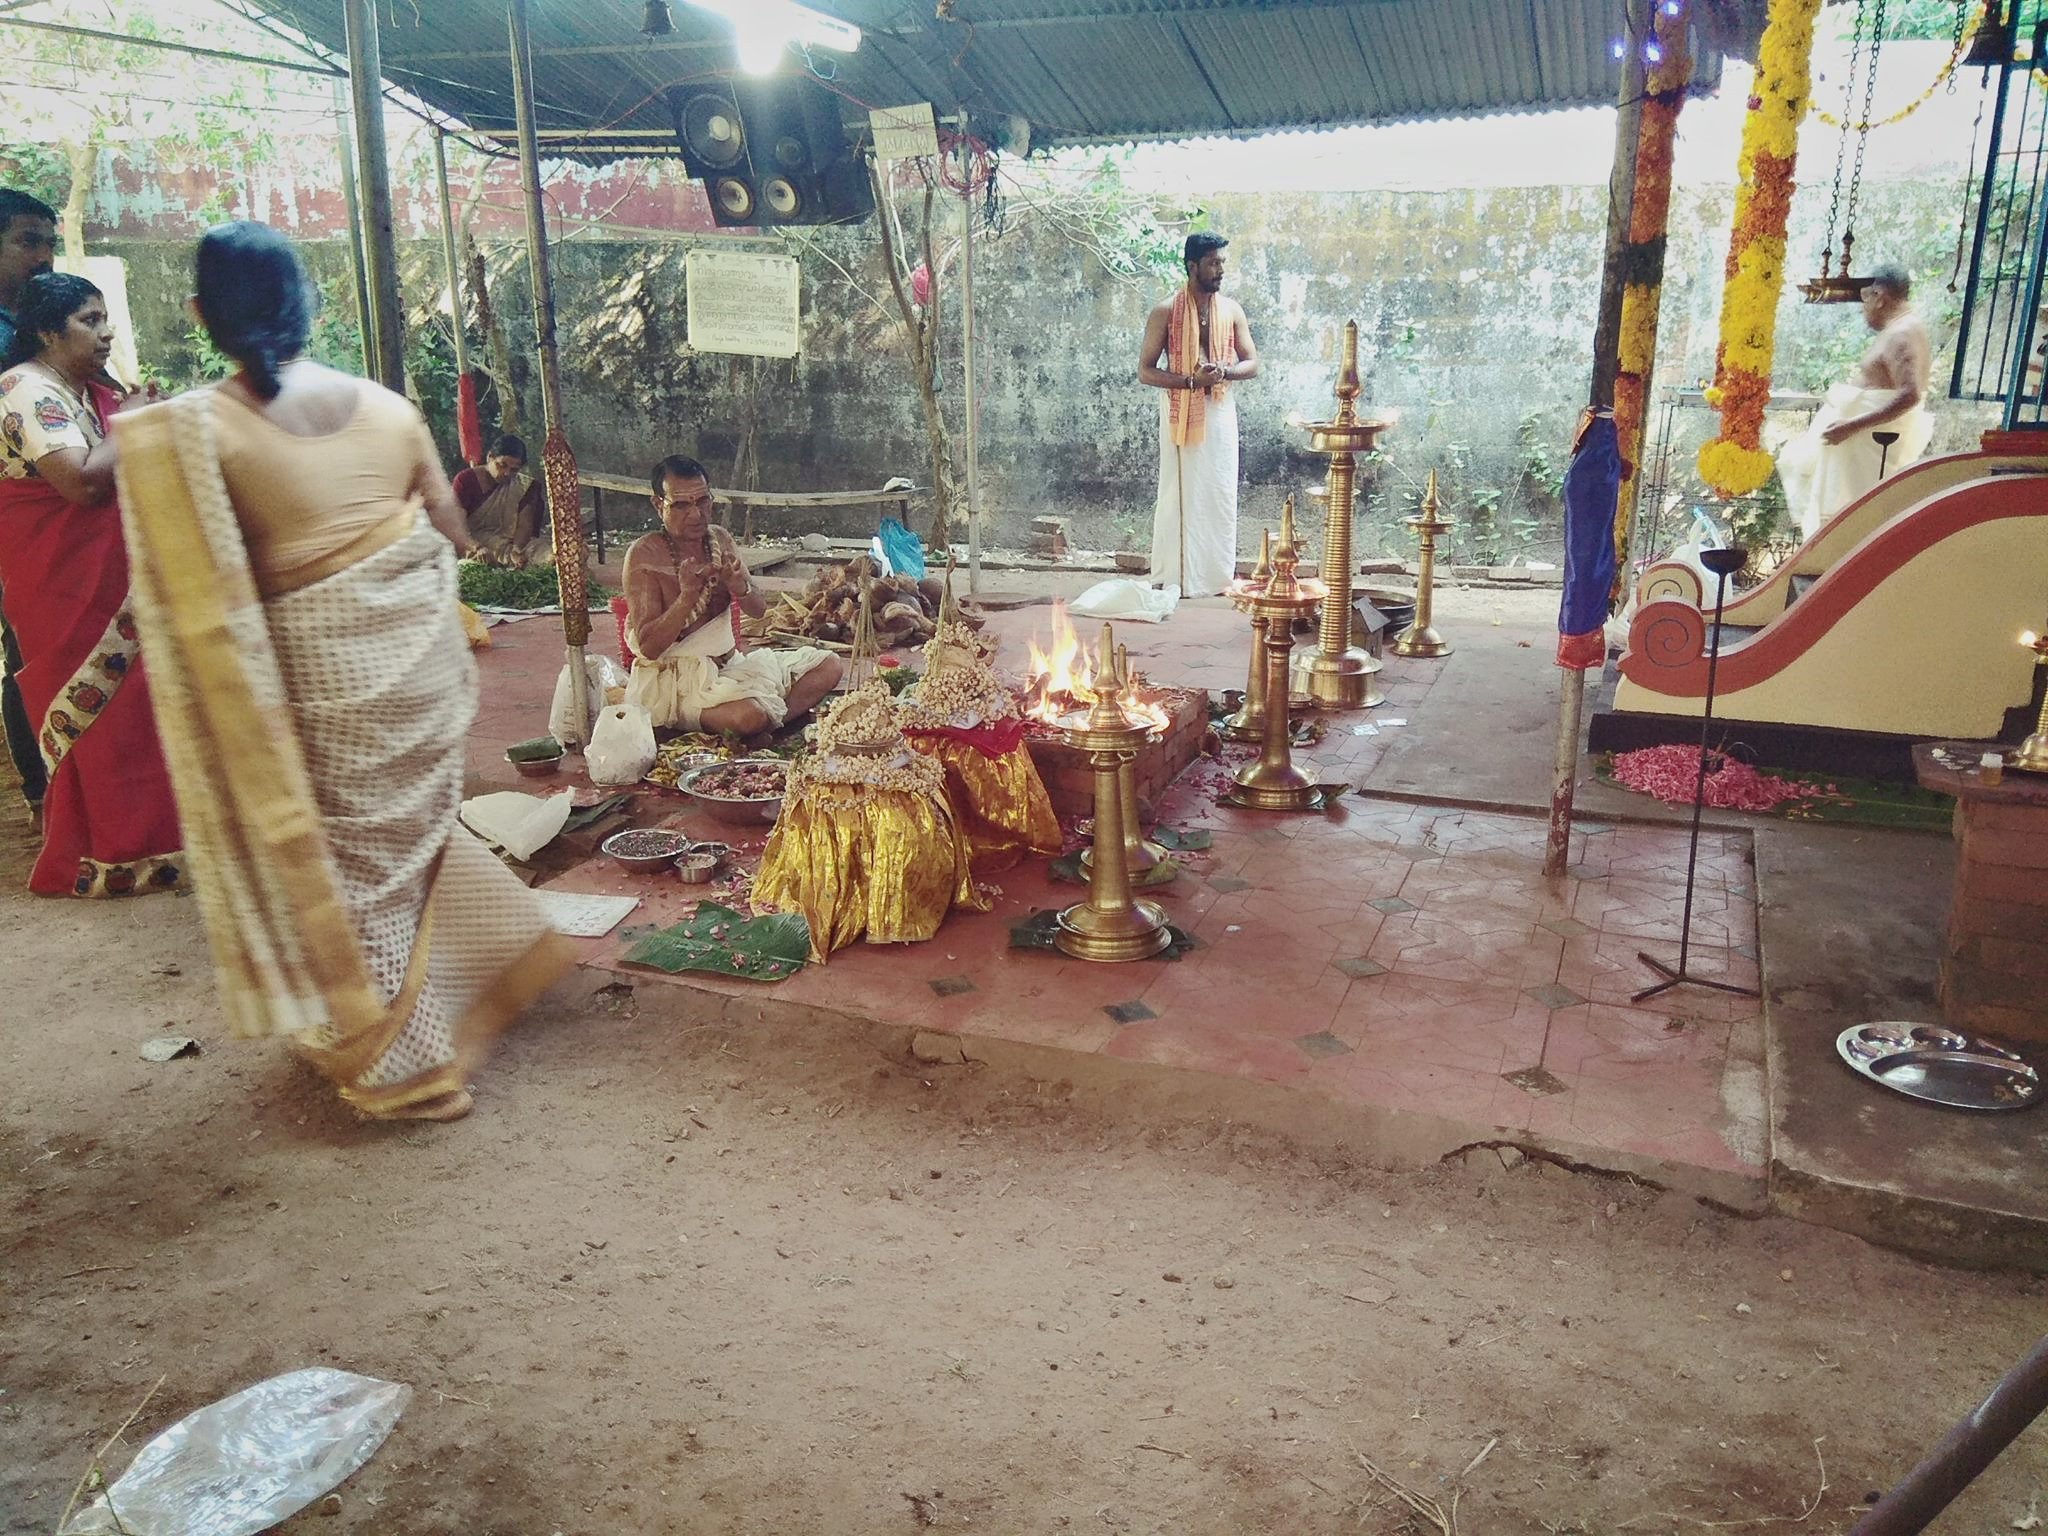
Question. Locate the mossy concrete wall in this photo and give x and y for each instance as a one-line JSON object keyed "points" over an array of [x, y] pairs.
{"points": [[1475, 309]]}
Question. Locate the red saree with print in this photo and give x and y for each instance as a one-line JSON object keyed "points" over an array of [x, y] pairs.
{"points": [[110, 826]]}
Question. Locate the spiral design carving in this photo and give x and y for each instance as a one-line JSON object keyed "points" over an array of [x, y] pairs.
{"points": [[1667, 634], [1670, 579]]}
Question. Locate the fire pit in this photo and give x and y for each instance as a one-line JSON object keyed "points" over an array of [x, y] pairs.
{"points": [[1179, 717]]}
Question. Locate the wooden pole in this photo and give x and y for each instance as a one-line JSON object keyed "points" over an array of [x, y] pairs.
{"points": [[386, 331], [1621, 188], [565, 510], [448, 254], [357, 275], [1642, 263]]}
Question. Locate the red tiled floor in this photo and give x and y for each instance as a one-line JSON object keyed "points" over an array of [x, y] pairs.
{"points": [[1388, 955]]}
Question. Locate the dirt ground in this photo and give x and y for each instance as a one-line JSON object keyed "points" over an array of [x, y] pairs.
{"points": [[679, 1276]]}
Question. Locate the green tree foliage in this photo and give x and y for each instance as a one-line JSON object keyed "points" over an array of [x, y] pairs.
{"points": [[1905, 21]]}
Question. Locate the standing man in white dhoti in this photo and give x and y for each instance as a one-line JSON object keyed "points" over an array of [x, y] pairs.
{"points": [[1196, 345], [1837, 458]]}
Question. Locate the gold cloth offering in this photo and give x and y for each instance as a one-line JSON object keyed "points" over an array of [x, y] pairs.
{"points": [[866, 845], [965, 717], [998, 799]]}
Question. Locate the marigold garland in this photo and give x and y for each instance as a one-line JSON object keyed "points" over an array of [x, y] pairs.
{"points": [[1643, 256], [1734, 463]]}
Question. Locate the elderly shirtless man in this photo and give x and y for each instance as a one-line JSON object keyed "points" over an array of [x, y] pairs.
{"points": [[686, 587], [1837, 459]]}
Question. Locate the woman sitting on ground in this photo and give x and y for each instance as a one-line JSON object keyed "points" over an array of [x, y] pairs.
{"points": [[503, 505], [295, 545], [110, 826]]}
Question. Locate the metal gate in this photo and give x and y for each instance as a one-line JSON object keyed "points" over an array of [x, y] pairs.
{"points": [[2003, 342]]}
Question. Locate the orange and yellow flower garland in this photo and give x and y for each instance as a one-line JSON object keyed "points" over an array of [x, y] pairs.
{"points": [[1734, 464], [1643, 256]]}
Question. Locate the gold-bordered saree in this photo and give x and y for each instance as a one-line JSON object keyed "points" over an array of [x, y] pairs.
{"points": [[314, 736]]}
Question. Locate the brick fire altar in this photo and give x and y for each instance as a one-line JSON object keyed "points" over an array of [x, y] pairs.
{"points": [[1166, 755]]}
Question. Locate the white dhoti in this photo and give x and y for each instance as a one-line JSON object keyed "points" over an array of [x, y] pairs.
{"points": [[1194, 524], [702, 671], [1821, 478]]}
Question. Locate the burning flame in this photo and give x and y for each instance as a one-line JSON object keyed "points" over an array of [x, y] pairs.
{"points": [[1058, 680], [1141, 711], [1056, 683]]}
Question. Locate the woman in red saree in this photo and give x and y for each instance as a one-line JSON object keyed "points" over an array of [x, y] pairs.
{"points": [[110, 826]]}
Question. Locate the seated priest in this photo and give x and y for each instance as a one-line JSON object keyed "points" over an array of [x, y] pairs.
{"points": [[686, 587], [1838, 457], [507, 521]]}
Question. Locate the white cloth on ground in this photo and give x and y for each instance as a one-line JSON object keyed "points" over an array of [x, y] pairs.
{"points": [[702, 671], [1194, 524], [1821, 478]]}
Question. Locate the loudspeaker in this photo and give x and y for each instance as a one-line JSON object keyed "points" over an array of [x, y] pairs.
{"points": [[771, 152]]}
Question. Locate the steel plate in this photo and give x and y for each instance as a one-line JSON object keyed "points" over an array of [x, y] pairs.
{"points": [[1940, 1066]]}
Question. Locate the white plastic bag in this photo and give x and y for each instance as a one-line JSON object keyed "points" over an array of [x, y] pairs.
{"points": [[522, 825], [1704, 534], [602, 676], [622, 746], [1122, 598], [241, 1465]]}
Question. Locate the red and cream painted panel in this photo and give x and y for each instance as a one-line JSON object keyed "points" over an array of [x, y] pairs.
{"points": [[1914, 632]]}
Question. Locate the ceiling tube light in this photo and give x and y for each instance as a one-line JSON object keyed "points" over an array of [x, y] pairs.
{"points": [[763, 28], [759, 47]]}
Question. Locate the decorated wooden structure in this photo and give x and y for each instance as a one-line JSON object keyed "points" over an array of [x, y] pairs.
{"points": [[1906, 635]]}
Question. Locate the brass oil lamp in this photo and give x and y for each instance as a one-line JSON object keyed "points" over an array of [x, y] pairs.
{"points": [[1420, 637], [1112, 925], [1273, 783], [1338, 674], [1148, 862], [2032, 756], [1249, 723]]}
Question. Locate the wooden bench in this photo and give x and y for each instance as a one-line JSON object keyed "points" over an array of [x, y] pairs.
{"points": [[897, 501]]}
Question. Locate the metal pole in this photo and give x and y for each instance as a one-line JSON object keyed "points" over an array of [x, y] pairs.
{"points": [[366, 89], [565, 513], [1964, 1452], [1985, 193], [2029, 327], [354, 206], [124, 40], [448, 256], [1621, 195], [967, 355]]}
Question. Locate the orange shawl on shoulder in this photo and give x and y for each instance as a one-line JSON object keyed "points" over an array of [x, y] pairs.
{"points": [[1186, 407]]}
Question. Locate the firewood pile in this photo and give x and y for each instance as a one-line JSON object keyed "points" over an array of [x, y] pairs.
{"points": [[906, 611]]}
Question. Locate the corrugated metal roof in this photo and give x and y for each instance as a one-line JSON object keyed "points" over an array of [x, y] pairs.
{"points": [[1080, 71]]}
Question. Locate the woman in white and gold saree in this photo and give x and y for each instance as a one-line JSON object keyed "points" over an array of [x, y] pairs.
{"points": [[293, 543]]}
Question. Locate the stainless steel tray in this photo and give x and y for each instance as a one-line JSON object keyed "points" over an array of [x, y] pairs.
{"points": [[1941, 1066]]}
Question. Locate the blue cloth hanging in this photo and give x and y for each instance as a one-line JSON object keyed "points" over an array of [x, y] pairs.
{"points": [[1592, 488]]}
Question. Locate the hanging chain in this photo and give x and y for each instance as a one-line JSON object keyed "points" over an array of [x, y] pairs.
{"points": [[1956, 52], [1877, 8], [1969, 188], [1827, 250]]}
